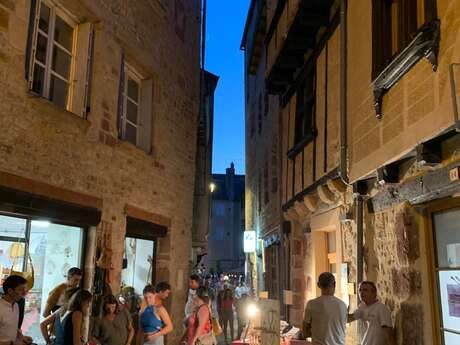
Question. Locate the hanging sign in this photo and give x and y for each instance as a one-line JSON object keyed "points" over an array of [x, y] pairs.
{"points": [[249, 241]]}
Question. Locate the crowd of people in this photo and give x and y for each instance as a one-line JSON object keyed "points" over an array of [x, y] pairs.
{"points": [[227, 298], [209, 301], [211, 306]]}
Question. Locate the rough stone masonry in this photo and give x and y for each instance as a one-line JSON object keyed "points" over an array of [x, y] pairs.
{"points": [[44, 143]]}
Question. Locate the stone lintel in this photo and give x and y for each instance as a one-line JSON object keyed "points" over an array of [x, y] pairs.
{"points": [[43, 189], [147, 216]]}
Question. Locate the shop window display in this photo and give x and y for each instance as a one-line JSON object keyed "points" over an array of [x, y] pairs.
{"points": [[53, 249]]}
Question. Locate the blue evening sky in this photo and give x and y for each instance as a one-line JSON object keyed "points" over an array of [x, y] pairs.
{"points": [[225, 25]]}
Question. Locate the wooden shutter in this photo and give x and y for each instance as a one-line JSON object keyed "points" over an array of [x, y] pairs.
{"points": [[81, 78], [31, 40], [121, 87], [145, 111]]}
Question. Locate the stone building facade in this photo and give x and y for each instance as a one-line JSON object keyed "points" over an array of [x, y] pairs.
{"points": [[263, 209], [225, 240], [368, 94], [203, 172], [98, 116]]}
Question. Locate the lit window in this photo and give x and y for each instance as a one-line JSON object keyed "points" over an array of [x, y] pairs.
{"points": [[49, 249]]}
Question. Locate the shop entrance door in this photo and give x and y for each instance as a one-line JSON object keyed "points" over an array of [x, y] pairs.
{"points": [[53, 249], [446, 226], [140, 269]]}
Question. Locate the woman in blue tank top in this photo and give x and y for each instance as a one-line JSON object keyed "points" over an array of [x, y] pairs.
{"points": [[52, 324], [154, 320]]}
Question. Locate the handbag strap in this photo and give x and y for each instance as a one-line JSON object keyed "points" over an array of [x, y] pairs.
{"points": [[197, 321]]}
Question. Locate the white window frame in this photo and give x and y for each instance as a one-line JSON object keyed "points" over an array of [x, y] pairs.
{"points": [[131, 73], [55, 10]]}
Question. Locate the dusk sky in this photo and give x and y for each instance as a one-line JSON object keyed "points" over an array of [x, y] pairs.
{"points": [[225, 25]]}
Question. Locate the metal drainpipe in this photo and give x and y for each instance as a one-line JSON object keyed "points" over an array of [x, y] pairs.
{"points": [[454, 94], [359, 239], [343, 91], [90, 267]]}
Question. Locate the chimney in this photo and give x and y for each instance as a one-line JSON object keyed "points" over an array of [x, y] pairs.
{"points": [[229, 182]]}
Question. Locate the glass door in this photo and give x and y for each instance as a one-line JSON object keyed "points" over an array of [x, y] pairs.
{"points": [[53, 249], [140, 269], [447, 241]]}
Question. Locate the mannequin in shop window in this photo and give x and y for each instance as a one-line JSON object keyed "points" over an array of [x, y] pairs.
{"points": [[56, 297]]}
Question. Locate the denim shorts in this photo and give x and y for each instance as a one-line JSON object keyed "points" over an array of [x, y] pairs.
{"points": [[157, 341]]}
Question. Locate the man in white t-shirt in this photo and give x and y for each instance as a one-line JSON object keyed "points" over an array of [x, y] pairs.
{"points": [[14, 288], [193, 284], [240, 290], [326, 316], [376, 317]]}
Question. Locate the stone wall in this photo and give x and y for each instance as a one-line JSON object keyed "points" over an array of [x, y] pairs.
{"points": [[394, 258], [45, 143], [394, 247]]}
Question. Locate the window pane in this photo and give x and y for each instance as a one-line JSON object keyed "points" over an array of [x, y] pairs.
{"points": [[131, 134], [12, 227], [44, 20], [131, 112], [451, 338], [63, 33], [42, 43], [11, 253], [39, 79], [54, 249], [449, 285], [58, 91], [139, 254], [447, 228], [133, 90], [61, 62]]}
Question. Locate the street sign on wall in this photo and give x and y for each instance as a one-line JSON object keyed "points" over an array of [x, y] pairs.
{"points": [[249, 241]]}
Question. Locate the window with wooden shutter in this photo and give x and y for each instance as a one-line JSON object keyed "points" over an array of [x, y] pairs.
{"points": [[394, 25], [58, 56], [135, 108]]}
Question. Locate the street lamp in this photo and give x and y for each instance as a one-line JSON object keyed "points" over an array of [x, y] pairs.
{"points": [[251, 311], [212, 187]]}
